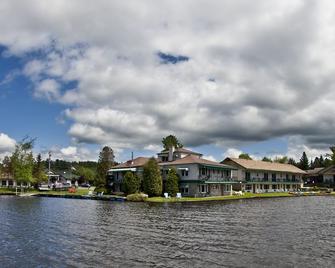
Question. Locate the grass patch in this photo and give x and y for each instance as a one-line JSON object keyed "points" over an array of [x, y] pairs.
{"points": [[216, 198]]}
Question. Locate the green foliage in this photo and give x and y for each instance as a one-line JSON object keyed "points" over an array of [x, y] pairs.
{"points": [[106, 161], [131, 183], [86, 174], [245, 156], [266, 159], [171, 140], [152, 180], [304, 163], [281, 160], [22, 161], [172, 186], [291, 161], [138, 197], [332, 155], [38, 170]]}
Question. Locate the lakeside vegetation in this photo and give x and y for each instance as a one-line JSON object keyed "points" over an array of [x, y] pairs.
{"points": [[226, 198]]}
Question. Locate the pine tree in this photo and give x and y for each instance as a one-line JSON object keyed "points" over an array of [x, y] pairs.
{"points": [[172, 186], [244, 156], [304, 163], [152, 180], [38, 170], [106, 161], [291, 161], [266, 159]]}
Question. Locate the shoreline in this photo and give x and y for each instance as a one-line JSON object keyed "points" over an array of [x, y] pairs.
{"points": [[169, 200], [231, 197]]}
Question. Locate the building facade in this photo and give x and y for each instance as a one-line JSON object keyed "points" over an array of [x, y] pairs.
{"points": [[197, 176], [261, 177], [320, 176]]}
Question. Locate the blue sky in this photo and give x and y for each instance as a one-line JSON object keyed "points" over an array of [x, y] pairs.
{"points": [[224, 77]]}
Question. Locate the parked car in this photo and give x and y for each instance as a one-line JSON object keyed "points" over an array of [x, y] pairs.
{"points": [[86, 185]]}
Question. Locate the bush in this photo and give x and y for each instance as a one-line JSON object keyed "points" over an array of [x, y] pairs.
{"points": [[152, 180], [139, 197], [131, 183], [101, 189], [172, 182]]}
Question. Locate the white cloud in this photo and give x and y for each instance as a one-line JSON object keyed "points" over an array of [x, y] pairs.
{"points": [[7, 145], [211, 158], [72, 153], [255, 71], [232, 152]]}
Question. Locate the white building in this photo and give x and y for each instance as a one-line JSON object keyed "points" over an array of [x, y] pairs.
{"points": [[261, 176], [198, 176]]}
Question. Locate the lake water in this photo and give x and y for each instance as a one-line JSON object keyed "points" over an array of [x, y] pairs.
{"points": [[283, 232]]}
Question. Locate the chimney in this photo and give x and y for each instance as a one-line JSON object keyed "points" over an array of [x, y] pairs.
{"points": [[171, 151]]}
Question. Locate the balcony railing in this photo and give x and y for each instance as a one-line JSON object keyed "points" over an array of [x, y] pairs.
{"points": [[282, 180]]}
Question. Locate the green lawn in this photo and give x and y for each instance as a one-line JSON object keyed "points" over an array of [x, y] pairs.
{"points": [[216, 198], [81, 191]]}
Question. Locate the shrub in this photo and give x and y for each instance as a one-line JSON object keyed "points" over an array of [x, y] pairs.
{"points": [[172, 182], [131, 183], [139, 197], [152, 180]]}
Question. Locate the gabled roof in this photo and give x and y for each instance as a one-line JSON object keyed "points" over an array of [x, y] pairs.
{"points": [[263, 165], [193, 159], [180, 150], [319, 171], [137, 162]]}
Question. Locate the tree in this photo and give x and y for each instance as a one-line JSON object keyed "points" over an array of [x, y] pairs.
{"points": [[86, 174], [291, 161], [172, 186], [266, 159], [171, 140], [38, 170], [22, 161], [245, 156], [304, 163], [106, 161], [332, 155], [281, 160], [131, 183], [152, 180]]}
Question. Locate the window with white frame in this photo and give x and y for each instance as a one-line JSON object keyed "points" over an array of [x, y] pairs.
{"points": [[184, 172]]}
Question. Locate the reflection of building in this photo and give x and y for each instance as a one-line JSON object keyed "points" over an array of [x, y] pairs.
{"points": [[261, 176], [320, 176], [198, 176]]}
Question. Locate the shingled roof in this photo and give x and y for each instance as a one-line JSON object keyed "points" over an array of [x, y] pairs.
{"points": [[181, 150], [193, 159], [137, 162], [263, 165]]}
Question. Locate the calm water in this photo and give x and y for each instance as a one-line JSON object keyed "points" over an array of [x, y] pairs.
{"points": [[42, 232]]}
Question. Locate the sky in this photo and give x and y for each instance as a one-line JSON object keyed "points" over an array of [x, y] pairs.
{"points": [[224, 76]]}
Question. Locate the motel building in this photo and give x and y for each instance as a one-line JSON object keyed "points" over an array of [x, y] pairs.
{"points": [[197, 176], [261, 177]]}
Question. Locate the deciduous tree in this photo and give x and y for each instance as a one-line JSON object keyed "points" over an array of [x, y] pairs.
{"points": [[152, 180], [172, 186]]}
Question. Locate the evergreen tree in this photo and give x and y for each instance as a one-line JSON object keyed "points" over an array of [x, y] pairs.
{"points": [[332, 155], [322, 161], [172, 186], [304, 163], [131, 183], [245, 156], [106, 161], [38, 170], [152, 180], [266, 159], [291, 161], [171, 140]]}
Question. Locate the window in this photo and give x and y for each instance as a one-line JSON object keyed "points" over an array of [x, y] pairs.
{"points": [[266, 176], [203, 171], [293, 177], [202, 188], [184, 172], [227, 173], [287, 177], [247, 176], [248, 187], [3, 183], [10, 183], [274, 177], [184, 189]]}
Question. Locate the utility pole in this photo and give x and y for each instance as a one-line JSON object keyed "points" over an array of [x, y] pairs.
{"points": [[49, 168]]}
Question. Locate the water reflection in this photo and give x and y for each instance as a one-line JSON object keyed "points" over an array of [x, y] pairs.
{"points": [[63, 232]]}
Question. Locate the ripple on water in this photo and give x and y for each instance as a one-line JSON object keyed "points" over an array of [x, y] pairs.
{"points": [[43, 232]]}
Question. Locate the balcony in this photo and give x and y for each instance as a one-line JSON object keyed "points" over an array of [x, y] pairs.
{"points": [[278, 180]]}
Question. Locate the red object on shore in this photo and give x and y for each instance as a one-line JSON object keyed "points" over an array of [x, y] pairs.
{"points": [[72, 190]]}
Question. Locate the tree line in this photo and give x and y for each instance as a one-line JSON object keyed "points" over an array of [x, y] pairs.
{"points": [[304, 163]]}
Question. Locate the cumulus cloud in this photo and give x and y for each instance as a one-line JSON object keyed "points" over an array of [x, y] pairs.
{"points": [[71, 153], [255, 70], [7, 144]]}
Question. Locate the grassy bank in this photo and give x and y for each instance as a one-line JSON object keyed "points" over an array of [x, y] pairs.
{"points": [[221, 198], [10, 191]]}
